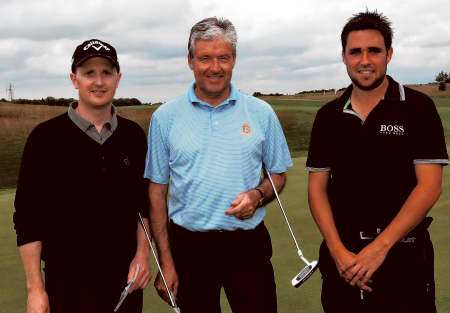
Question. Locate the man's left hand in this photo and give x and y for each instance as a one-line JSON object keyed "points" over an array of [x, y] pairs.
{"points": [[368, 260], [244, 205], [144, 276]]}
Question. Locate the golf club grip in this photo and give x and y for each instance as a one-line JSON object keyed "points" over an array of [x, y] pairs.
{"points": [[172, 300]]}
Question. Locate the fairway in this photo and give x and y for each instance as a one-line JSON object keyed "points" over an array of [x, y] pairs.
{"points": [[285, 260]]}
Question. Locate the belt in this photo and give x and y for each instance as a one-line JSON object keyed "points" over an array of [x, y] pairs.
{"points": [[216, 231], [410, 238]]}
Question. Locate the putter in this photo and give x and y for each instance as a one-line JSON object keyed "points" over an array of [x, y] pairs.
{"points": [[173, 304], [310, 267]]}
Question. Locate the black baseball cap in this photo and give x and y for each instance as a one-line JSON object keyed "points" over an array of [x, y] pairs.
{"points": [[94, 48]]}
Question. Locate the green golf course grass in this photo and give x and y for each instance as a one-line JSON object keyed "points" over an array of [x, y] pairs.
{"points": [[296, 116], [285, 260]]}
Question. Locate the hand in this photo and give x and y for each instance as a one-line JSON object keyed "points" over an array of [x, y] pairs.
{"points": [[172, 282], [245, 205], [37, 301], [368, 260], [144, 276], [345, 262]]}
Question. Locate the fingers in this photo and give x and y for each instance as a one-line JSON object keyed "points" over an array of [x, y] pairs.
{"points": [[358, 276], [161, 288], [236, 206], [242, 207], [142, 279]]}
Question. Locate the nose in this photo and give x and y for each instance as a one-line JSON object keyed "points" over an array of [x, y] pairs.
{"points": [[98, 79], [215, 65], [365, 57]]}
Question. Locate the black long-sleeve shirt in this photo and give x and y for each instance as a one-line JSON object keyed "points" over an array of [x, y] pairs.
{"points": [[81, 198]]}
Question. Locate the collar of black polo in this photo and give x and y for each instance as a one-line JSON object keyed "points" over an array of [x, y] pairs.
{"points": [[395, 92]]}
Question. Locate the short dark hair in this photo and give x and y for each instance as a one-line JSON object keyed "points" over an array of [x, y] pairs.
{"points": [[368, 20]]}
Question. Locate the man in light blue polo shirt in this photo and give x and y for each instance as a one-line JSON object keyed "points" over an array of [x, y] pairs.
{"points": [[207, 150]]}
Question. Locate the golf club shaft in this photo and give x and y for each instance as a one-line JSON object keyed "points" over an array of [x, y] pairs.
{"points": [[172, 300], [284, 213]]}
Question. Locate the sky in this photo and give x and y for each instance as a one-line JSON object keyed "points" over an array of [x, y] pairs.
{"points": [[284, 46]]}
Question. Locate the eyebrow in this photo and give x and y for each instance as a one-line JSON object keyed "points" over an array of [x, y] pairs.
{"points": [[371, 49]]}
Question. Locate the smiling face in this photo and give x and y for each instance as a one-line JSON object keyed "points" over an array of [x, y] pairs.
{"points": [[366, 58], [96, 80], [212, 63]]}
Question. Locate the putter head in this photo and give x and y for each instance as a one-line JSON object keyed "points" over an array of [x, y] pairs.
{"points": [[304, 274]]}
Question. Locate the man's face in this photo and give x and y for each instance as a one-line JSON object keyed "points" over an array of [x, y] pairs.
{"points": [[366, 58], [96, 80], [212, 64]]}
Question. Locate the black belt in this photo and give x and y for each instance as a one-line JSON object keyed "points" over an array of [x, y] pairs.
{"points": [[418, 232]]}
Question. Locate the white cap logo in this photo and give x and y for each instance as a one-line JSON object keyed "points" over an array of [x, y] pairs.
{"points": [[97, 45]]}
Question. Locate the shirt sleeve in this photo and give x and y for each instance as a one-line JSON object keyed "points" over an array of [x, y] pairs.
{"points": [[428, 140], [319, 152], [157, 161], [142, 183], [29, 206], [276, 155]]}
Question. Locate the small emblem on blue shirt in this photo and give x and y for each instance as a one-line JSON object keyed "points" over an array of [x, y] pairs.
{"points": [[246, 129]]}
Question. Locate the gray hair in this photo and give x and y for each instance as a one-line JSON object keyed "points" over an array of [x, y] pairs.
{"points": [[211, 28]]}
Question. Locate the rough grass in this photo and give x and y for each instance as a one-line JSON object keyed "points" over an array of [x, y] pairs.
{"points": [[285, 261]]}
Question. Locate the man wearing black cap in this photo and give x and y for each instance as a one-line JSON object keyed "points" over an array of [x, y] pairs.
{"points": [[79, 191]]}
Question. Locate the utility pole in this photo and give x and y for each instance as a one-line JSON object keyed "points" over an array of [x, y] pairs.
{"points": [[10, 92]]}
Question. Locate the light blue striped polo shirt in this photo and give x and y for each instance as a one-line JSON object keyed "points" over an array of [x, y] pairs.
{"points": [[209, 154]]}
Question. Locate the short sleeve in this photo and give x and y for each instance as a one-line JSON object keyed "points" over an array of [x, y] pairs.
{"points": [[276, 155], [428, 136], [157, 160], [319, 152]]}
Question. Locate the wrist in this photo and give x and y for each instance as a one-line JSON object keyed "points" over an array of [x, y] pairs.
{"points": [[261, 194], [36, 288]]}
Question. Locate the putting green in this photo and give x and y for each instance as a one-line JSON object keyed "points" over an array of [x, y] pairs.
{"points": [[285, 261]]}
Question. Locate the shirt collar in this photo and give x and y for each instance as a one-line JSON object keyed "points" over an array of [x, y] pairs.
{"points": [[232, 98], [84, 124], [394, 92]]}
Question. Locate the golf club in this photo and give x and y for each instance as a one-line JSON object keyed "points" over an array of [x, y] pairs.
{"points": [[310, 267], [169, 292]]}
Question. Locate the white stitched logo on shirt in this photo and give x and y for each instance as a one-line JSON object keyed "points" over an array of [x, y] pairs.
{"points": [[395, 129], [246, 130]]}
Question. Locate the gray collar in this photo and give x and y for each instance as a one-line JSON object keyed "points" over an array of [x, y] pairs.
{"points": [[89, 128]]}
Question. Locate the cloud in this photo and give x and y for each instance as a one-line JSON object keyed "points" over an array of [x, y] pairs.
{"points": [[287, 46]]}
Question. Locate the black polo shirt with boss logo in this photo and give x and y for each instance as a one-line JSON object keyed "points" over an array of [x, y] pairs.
{"points": [[371, 161]]}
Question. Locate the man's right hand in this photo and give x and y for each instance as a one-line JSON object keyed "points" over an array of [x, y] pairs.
{"points": [[345, 260], [37, 301], [171, 277]]}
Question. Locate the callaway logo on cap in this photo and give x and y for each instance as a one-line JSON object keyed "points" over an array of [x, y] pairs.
{"points": [[94, 48]]}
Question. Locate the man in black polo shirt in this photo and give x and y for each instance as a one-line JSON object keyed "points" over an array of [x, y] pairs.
{"points": [[375, 170], [79, 191]]}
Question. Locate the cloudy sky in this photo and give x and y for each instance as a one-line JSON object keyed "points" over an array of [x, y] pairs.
{"points": [[283, 45]]}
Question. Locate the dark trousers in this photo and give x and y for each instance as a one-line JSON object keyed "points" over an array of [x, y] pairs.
{"points": [[68, 293], [238, 261], [404, 283]]}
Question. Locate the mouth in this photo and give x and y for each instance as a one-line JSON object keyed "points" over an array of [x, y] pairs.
{"points": [[98, 92], [215, 78], [365, 71]]}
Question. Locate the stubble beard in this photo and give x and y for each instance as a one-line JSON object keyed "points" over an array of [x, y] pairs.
{"points": [[377, 82]]}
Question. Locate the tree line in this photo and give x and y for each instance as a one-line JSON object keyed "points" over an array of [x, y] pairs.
{"points": [[51, 101]]}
